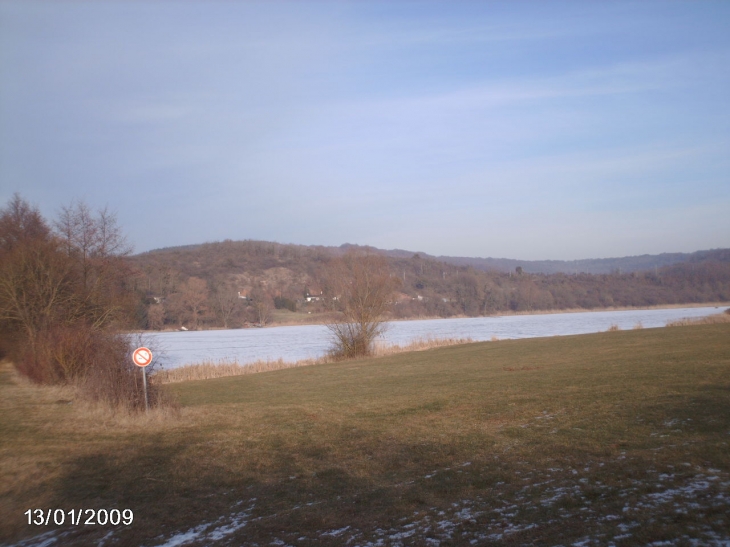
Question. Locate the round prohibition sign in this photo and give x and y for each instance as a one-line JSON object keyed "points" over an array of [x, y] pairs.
{"points": [[142, 357]]}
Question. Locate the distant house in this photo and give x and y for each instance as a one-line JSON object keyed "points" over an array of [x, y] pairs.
{"points": [[313, 297]]}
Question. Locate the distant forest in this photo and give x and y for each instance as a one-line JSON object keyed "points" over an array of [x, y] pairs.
{"points": [[627, 264], [235, 283]]}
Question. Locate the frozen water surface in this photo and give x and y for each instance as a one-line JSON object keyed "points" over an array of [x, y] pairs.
{"points": [[301, 342]]}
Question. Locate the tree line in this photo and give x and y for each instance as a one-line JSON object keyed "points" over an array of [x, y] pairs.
{"points": [[232, 284]]}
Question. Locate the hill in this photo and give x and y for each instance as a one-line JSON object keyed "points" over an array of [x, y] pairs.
{"points": [[628, 264], [294, 279]]}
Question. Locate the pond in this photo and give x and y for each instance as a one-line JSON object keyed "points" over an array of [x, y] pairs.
{"points": [[293, 343]]}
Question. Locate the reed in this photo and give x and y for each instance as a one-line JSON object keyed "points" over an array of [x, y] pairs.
{"points": [[708, 320], [419, 344], [227, 367]]}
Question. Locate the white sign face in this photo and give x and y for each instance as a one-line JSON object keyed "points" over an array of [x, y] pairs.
{"points": [[142, 357]]}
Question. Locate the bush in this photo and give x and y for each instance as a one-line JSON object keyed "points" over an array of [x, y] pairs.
{"points": [[353, 339], [97, 362], [363, 290], [285, 303], [58, 355], [113, 379]]}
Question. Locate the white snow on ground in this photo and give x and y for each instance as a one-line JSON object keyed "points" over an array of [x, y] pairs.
{"points": [[185, 537], [211, 531], [558, 493], [335, 533], [496, 515], [494, 519], [46, 539]]}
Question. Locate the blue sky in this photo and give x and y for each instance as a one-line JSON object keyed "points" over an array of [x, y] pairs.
{"points": [[530, 130]]}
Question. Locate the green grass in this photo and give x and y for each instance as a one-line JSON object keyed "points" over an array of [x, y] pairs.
{"points": [[620, 437]]}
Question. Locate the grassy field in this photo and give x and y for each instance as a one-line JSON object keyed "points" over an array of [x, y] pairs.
{"points": [[615, 438]]}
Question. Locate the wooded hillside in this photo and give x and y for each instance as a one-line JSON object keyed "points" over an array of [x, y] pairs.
{"points": [[232, 283]]}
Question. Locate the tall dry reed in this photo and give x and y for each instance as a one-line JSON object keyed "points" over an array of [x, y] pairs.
{"points": [[208, 369], [418, 344], [226, 367], [708, 320]]}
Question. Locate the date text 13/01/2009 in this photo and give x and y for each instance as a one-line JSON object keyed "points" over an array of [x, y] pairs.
{"points": [[80, 517]]}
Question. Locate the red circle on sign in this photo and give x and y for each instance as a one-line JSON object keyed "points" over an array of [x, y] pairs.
{"points": [[142, 357]]}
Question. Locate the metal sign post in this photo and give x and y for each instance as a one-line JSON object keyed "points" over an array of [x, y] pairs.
{"points": [[144, 387], [143, 357]]}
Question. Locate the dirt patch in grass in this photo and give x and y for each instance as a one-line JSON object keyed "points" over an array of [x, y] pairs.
{"points": [[615, 437]]}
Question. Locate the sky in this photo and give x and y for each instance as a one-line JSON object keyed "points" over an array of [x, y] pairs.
{"points": [[529, 130]]}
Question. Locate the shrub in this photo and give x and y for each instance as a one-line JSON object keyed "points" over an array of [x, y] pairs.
{"points": [[363, 289], [58, 355], [281, 302], [113, 379], [97, 362]]}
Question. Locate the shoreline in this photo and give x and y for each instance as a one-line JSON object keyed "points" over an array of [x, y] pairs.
{"points": [[430, 318]]}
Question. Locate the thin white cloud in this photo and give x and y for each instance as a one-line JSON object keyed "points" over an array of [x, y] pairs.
{"points": [[611, 79]]}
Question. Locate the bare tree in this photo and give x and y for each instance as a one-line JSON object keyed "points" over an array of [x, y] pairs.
{"points": [[262, 305], [362, 287], [155, 316], [19, 222], [90, 238], [36, 288], [192, 301], [96, 245], [225, 302], [26, 285], [110, 240]]}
